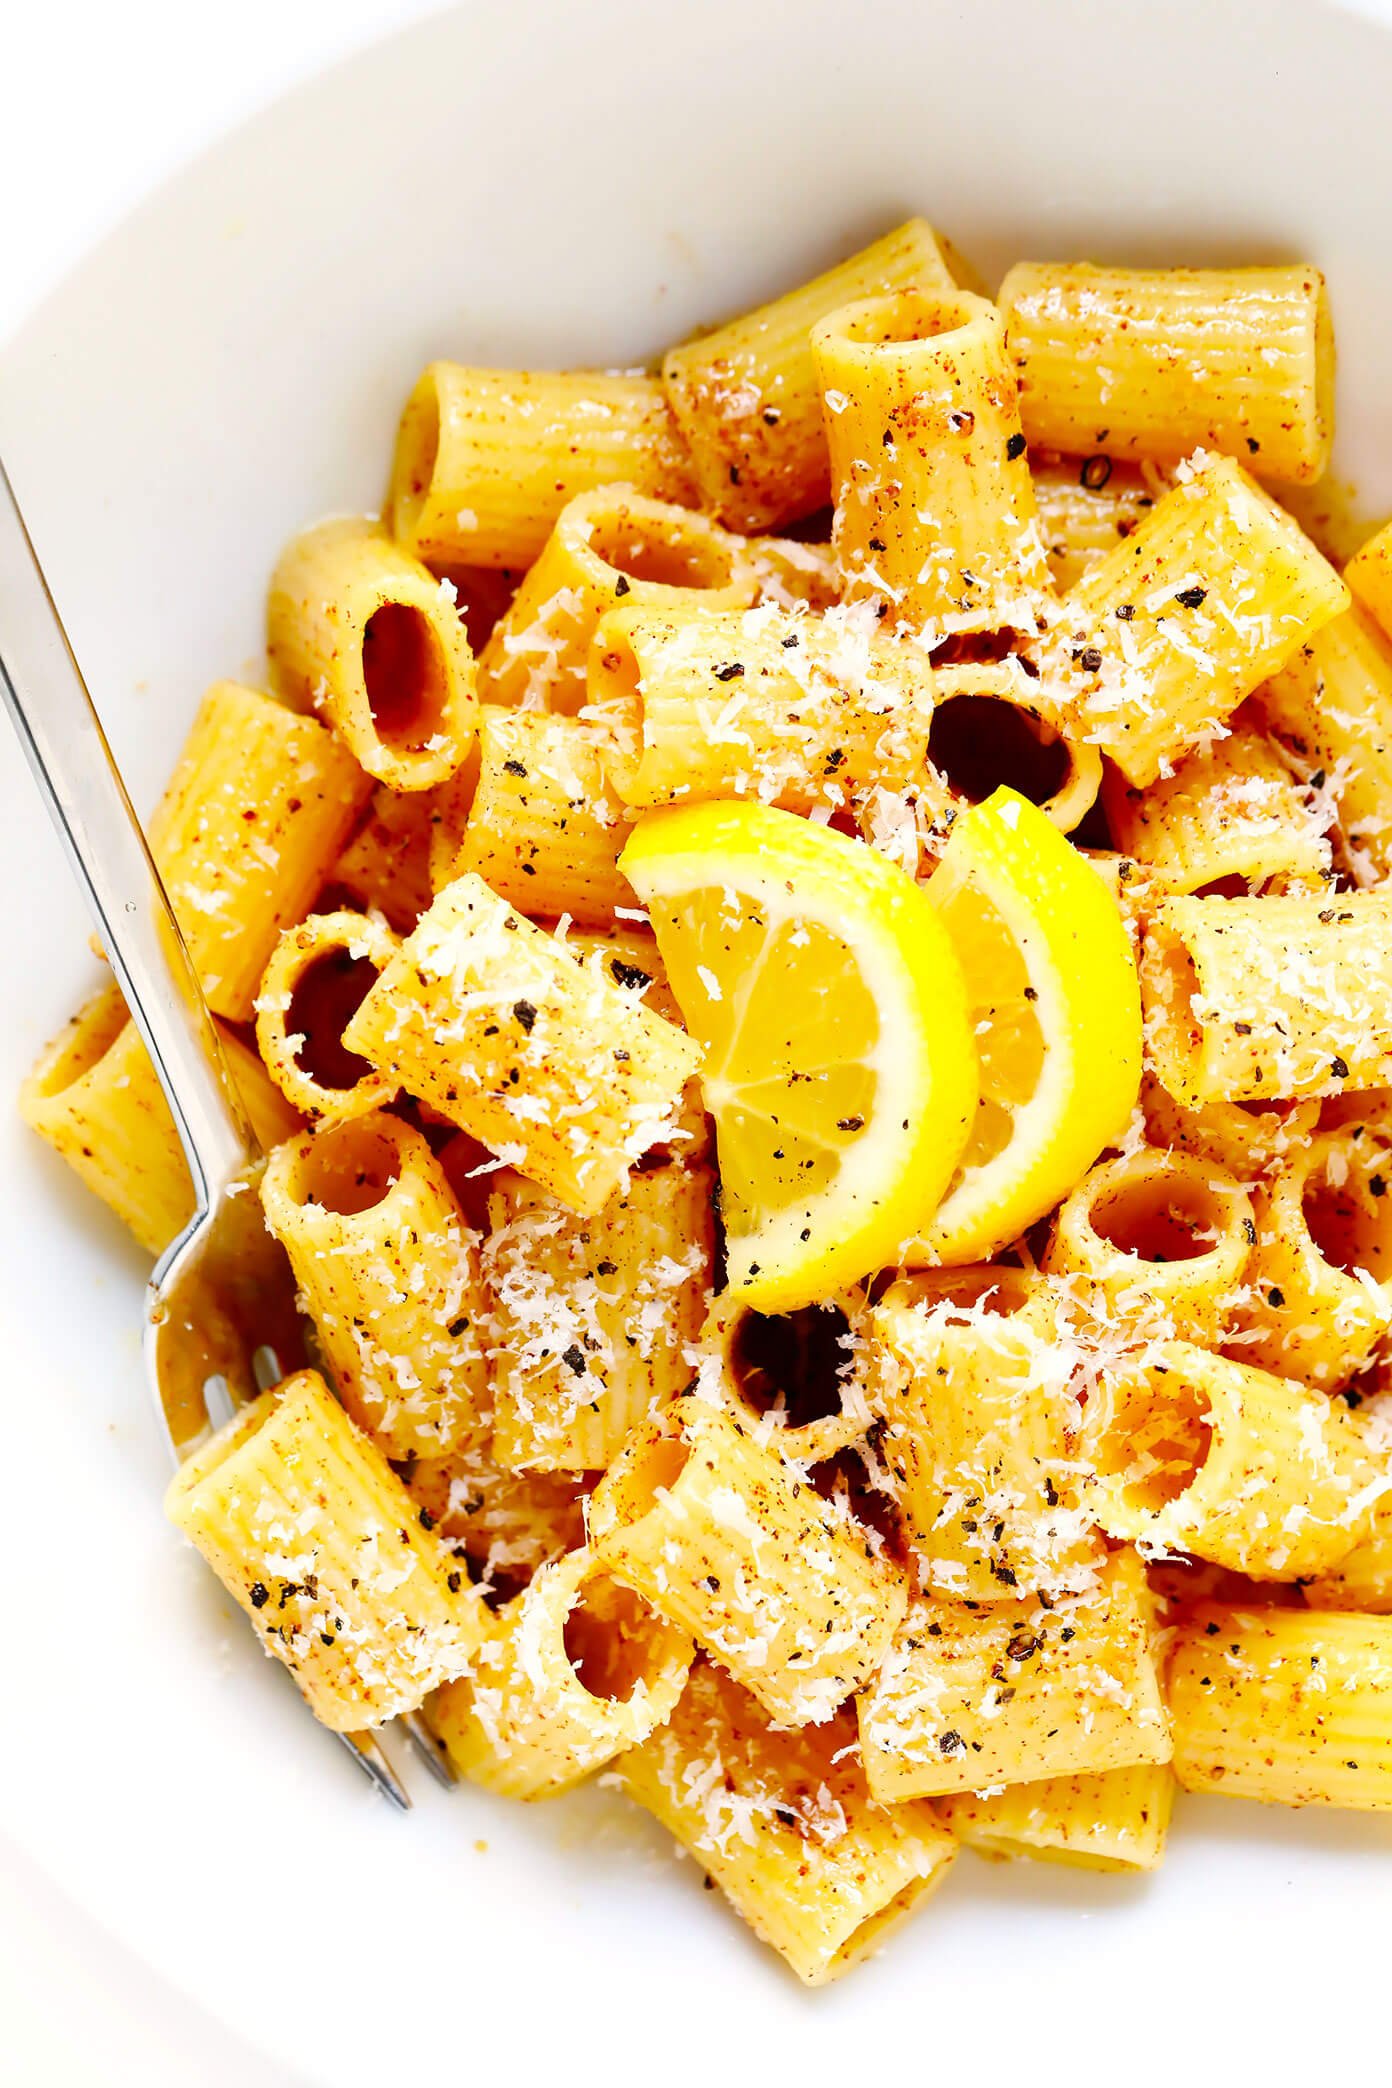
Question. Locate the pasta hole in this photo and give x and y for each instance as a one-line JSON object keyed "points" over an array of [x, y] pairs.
{"points": [[1149, 1436], [612, 1640], [1159, 1219], [912, 315], [845, 1479], [669, 556], [980, 743], [404, 673], [350, 1168], [326, 997], [792, 1363]]}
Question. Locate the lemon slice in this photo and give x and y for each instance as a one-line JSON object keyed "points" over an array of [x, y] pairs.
{"points": [[839, 1065], [1056, 1008]]}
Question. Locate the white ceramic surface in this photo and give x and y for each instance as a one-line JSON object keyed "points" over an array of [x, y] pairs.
{"points": [[565, 184]]}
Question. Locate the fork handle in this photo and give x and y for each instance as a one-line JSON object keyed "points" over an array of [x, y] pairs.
{"points": [[58, 727]]}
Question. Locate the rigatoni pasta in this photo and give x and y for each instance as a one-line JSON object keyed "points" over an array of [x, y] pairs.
{"points": [[486, 1018], [374, 642], [487, 459], [851, 1084], [783, 1823], [746, 395], [1156, 362], [935, 515], [255, 813]]}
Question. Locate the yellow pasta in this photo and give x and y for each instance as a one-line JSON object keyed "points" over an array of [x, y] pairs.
{"points": [[1155, 1245], [503, 1525], [541, 821], [1196, 1453], [390, 1275], [1260, 1000], [1246, 1138], [312, 1533], [935, 515], [594, 1320], [722, 1537], [1284, 1706], [1155, 362], [318, 975], [1116, 1821], [1369, 575], [608, 547], [1362, 1580], [783, 1824], [1086, 505], [95, 1097], [992, 728], [1319, 1275], [794, 575], [1232, 810], [374, 641], [796, 711], [385, 867], [1331, 707], [486, 1018], [256, 811], [487, 459], [746, 395], [1011, 1692], [980, 1438], [1161, 640], [802, 1381], [570, 1673]]}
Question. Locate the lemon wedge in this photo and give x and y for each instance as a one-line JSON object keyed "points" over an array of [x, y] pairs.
{"points": [[839, 1064], [1056, 1009]]}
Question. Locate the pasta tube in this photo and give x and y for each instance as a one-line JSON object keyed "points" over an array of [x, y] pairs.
{"points": [[1284, 1706], [1319, 1275], [557, 1070], [1242, 1137], [1155, 1245], [1013, 1692], [1155, 362], [389, 1273], [1231, 810], [935, 515], [608, 547], [1255, 1000], [1086, 505], [543, 826], [795, 711], [258, 807], [95, 1097], [1161, 640], [385, 867], [746, 395], [318, 974], [723, 1538], [980, 1440], [1199, 1454], [802, 1380], [594, 1319], [1331, 707], [314, 1536], [1117, 1821], [570, 1673], [783, 1824], [363, 632], [487, 459]]}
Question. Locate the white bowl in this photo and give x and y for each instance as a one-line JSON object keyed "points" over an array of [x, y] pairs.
{"points": [[569, 185]]}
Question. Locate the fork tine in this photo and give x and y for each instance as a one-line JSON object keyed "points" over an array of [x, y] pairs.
{"points": [[376, 1768], [429, 1748]]}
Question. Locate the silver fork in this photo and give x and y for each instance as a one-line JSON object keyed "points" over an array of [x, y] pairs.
{"points": [[221, 1321]]}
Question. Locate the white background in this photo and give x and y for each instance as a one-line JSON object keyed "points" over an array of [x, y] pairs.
{"points": [[101, 101]]}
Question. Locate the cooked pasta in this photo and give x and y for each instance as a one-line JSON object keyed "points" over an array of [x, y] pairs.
{"points": [[827, 1095]]}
